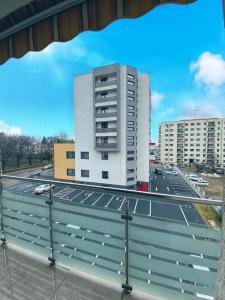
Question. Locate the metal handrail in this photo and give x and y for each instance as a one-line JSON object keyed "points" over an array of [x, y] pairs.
{"points": [[114, 189]]}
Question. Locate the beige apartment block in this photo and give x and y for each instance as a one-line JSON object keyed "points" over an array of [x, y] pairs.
{"points": [[192, 141], [64, 161]]}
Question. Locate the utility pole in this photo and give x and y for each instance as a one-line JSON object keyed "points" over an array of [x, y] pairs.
{"points": [[220, 284]]}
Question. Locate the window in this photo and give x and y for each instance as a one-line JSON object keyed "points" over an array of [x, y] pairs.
{"points": [[130, 128], [103, 94], [84, 155], [130, 98], [104, 140], [130, 179], [130, 92], [105, 174], [130, 137], [130, 107], [70, 154], [130, 123], [104, 124], [130, 144], [130, 76], [70, 172], [104, 79], [104, 110], [130, 82], [130, 113], [130, 170], [105, 155], [130, 152], [130, 158], [84, 173]]}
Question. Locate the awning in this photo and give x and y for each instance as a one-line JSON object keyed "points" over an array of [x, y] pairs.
{"points": [[31, 25]]}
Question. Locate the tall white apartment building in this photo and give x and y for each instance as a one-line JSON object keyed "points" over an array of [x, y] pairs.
{"points": [[112, 126], [193, 141]]}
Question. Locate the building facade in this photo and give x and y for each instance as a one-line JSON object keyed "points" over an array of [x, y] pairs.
{"points": [[64, 161], [193, 141], [112, 111]]}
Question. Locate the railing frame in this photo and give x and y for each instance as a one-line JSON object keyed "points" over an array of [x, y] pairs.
{"points": [[219, 289]]}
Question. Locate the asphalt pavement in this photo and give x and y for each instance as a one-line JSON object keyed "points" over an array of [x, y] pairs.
{"points": [[152, 206]]}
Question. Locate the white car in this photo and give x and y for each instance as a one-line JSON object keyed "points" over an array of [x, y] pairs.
{"points": [[47, 167], [202, 182], [43, 188], [172, 172], [191, 176]]}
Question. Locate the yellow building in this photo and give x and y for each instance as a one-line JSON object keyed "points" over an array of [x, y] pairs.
{"points": [[64, 161]]}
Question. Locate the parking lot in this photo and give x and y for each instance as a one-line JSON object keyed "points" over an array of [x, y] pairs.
{"points": [[170, 184], [152, 206]]}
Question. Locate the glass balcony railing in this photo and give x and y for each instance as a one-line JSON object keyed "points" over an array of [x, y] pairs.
{"points": [[160, 256]]}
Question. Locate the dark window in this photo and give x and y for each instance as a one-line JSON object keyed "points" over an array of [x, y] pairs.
{"points": [[130, 158], [70, 172], [130, 170], [104, 125], [105, 155], [105, 174], [104, 79], [130, 179], [104, 94], [130, 152], [84, 173], [104, 140], [70, 154], [104, 110], [84, 155]]}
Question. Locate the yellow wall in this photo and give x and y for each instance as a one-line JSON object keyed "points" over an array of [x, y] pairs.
{"points": [[61, 163]]}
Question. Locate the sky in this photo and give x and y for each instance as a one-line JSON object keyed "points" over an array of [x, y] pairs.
{"points": [[182, 47]]}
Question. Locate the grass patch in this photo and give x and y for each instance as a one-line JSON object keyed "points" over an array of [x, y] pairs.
{"points": [[207, 212]]}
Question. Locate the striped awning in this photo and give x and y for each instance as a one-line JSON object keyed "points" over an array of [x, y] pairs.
{"points": [[27, 25]]}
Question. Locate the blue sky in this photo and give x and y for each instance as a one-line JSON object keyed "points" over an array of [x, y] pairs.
{"points": [[181, 47]]}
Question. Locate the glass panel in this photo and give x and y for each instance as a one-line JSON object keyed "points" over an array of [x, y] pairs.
{"points": [[171, 259], [25, 216], [89, 239]]}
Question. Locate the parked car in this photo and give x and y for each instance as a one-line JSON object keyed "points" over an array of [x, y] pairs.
{"points": [[171, 172], [50, 166], [158, 171], [191, 175], [199, 181], [43, 188]]}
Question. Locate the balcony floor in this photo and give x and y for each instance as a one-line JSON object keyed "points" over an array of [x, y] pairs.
{"points": [[23, 277]]}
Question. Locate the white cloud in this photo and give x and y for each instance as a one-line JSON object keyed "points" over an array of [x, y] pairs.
{"points": [[209, 70], [156, 99], [200, 109], [75, 50], [9, 129]]}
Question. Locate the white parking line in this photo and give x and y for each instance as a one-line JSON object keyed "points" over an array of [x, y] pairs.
{"points": [[77, 195], [122, 203], [109, 201], [150, 208], [135, 206], [88, 195], [97, 199], [61, 192], [184, 215], [67, 193]]}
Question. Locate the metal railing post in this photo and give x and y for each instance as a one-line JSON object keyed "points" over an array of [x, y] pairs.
{"points": [[49, 202], [127, 289], [3, 239], [220, 283]]}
